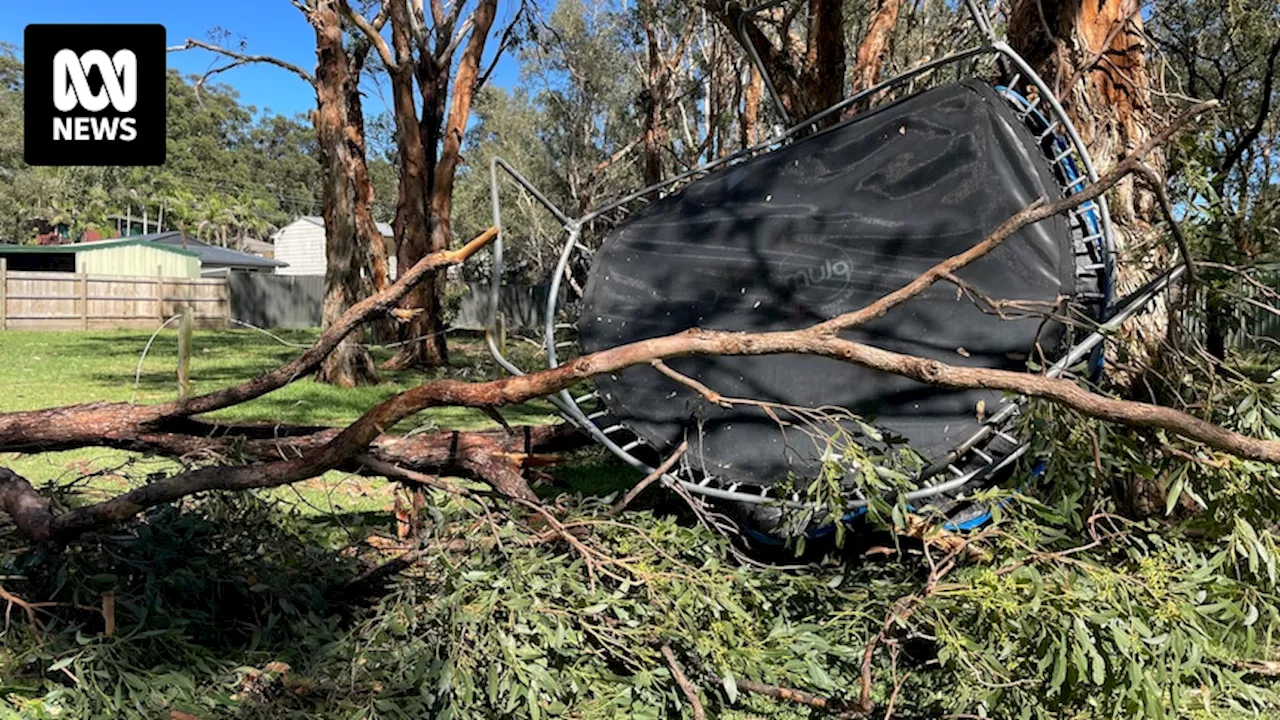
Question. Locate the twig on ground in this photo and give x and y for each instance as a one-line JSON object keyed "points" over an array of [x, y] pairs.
{"points": [[648, 480], [690, 692], [395, 472], [29, 608]]}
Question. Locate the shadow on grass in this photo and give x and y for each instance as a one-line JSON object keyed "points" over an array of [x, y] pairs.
{"points": [[206, 597]]}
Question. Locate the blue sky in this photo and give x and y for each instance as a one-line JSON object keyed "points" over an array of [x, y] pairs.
{"points": [[268, 27]]}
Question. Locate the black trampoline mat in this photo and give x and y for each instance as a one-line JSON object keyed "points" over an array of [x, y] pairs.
{"points": [[821, 227]]}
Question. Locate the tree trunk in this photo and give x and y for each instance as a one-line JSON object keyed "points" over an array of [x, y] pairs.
{"points": [[350, 363], [373, 245], [426, 327], [751, 107], [809, 81], [416, 164], [655, 90], [1096, 61], [825, 59], [875, 44]]}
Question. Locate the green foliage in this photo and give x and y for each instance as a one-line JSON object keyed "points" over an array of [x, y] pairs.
{"points": [[1148, 625], [230, 171], [569, 129], [230, 606], [189, 586]]}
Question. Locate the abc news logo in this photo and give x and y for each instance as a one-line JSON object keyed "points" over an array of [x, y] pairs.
{"points": [[94, 94]]}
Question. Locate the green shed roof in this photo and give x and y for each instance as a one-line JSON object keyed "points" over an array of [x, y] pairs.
{"points": [[93, 245]]}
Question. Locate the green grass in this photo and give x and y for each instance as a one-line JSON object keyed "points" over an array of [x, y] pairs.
{"points": [[49, 369]]}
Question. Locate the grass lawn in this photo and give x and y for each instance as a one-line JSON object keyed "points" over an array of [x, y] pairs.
{"points": [[48, 369]]}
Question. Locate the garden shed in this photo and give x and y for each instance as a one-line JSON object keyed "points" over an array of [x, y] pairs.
{"points": [[128, 257]]}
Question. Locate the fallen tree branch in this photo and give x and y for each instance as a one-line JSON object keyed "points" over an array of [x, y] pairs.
{"points": [[352, 441], [842, 709], [355, 438], [81, 425], [392, 471], [821, 339], [648, 480], [686, 687]]}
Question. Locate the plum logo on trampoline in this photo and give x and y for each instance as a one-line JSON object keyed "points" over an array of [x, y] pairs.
{"points": [[829, 280], [95, 94]]}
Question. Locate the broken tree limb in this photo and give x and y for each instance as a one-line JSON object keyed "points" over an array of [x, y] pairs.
{"points": [[352, 441], [342, 447], [686, 687], [80, 425]]}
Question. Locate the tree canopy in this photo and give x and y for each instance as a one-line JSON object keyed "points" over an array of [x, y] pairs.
{"points": [[230, 172]]}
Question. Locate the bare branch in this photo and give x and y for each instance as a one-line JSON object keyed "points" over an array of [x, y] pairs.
{"points": [[1156, 184], [1033, 214], [686, 687], [242, 59], [504, 44], [648, 480], [1237, 150]]}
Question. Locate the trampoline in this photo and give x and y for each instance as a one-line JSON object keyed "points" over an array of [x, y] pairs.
{"points": [[821, 220]]}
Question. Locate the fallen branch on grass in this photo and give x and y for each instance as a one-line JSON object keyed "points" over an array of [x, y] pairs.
{"points": [[340, 448], [90, 424]]}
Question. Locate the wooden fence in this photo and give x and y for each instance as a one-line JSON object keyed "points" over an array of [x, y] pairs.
{"points": [[73, 301]]}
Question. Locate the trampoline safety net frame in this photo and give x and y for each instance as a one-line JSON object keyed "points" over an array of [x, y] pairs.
{"points": [[966, 463]]}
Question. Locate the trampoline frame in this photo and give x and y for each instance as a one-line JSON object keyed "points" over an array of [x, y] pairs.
{"points": [[967, 462]]}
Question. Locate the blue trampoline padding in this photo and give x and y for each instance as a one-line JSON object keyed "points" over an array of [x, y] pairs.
{"points": [[1089, 211]]}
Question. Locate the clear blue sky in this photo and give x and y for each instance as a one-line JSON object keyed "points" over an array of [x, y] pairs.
{"points": [[268, 27]]}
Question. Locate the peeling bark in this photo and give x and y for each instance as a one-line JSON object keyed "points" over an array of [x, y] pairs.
{"points": [[425, 326], [871, 53], [349, 364], [1098, 48], [751, 108]]}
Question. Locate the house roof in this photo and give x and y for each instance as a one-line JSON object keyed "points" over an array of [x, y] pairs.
{"points": [[97, 245], [384, 228], [211, 255], [254, 245]]}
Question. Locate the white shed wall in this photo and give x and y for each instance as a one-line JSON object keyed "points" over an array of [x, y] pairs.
{"points": [[301, 244]]}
